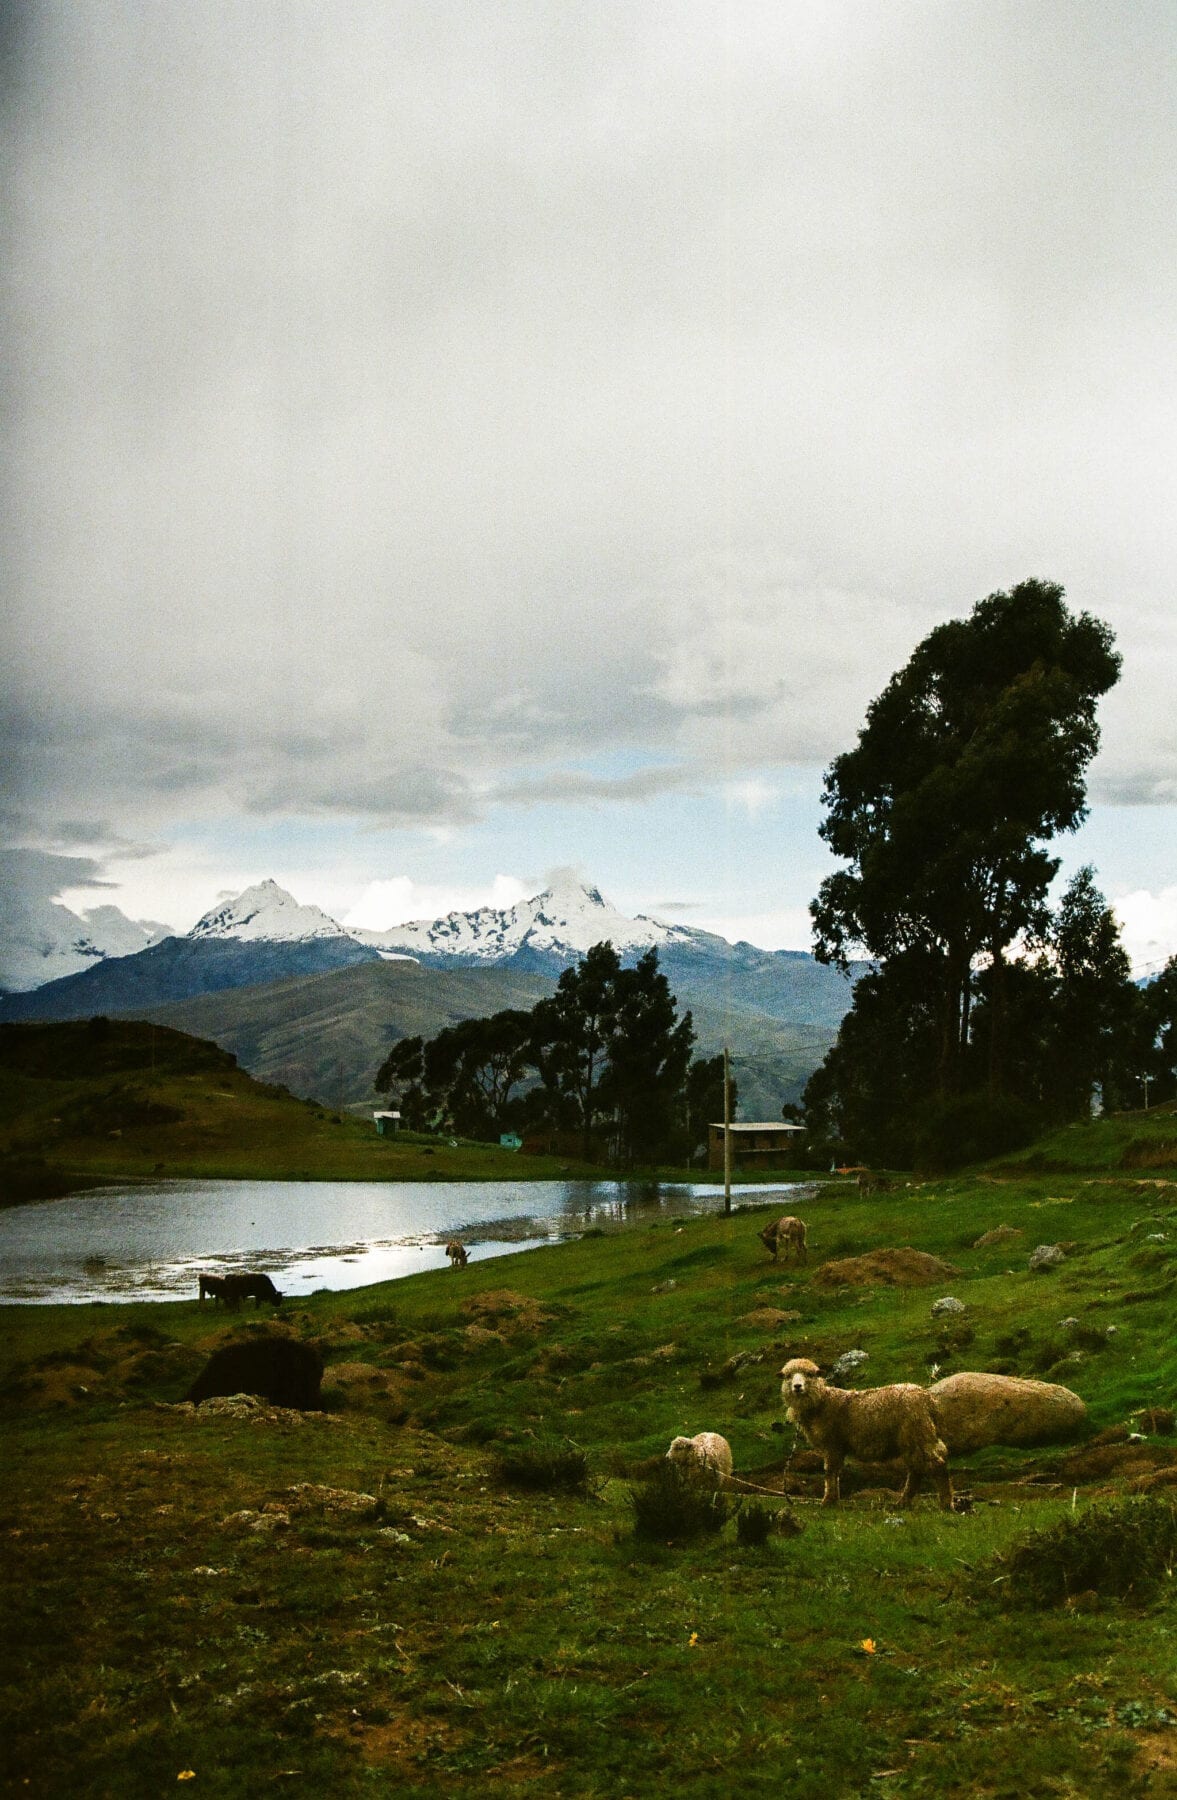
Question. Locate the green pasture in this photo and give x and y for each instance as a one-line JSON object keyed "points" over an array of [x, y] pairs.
{"points": [[453, 1631]]}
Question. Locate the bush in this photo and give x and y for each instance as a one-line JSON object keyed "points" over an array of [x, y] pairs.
{"points": [[548, 1464], [1123, 1550], [754, 1523], [673, 1505], [971, 1128]]}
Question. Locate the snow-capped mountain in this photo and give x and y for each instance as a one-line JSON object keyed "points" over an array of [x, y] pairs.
{"points": [[559, 925], [267, 914], [42, 940]]}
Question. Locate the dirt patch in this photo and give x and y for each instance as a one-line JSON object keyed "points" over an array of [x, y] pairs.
{"points": [[1149, 1153], [401, 1742], [478, 1337], [1001, 1234], [1099, 1462], [1153, 1479], [901, 1267], [364, 1387], [505, 1311], [768, 1318]]}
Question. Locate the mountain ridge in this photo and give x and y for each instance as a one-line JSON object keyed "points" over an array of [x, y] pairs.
{"points": [[248, 966]]}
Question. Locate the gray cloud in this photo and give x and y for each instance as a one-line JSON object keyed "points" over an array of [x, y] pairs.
{"points": [[574, 784], [408, 401], [38, 874]]}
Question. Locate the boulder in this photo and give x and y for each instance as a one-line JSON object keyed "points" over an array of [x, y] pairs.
{"points": [[974, 1409]]}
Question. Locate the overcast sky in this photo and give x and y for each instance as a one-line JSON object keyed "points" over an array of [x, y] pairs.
{"points": [[448, 440]]}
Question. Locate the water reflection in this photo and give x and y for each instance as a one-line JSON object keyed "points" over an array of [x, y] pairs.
{"points": [[151, 1242]]}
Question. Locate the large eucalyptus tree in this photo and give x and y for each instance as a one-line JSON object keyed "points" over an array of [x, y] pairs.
{"points": [[971, 760]]}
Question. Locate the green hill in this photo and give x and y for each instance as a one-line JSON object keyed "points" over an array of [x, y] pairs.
{"points": [[103, 1100], [325, 1035]]}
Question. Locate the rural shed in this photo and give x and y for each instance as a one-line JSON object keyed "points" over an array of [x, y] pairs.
{"points": [[765, 1144], [387, 1123]]}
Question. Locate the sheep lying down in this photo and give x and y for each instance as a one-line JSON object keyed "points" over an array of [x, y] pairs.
{"points": [[884, 1424]]}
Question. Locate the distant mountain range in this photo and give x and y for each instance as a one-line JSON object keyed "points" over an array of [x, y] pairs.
{"points": [[41, 940], [304, 1001]]}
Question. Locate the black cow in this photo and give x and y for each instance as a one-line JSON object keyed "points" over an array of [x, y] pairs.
{"points": [[233, 1289], [278, 1369]]}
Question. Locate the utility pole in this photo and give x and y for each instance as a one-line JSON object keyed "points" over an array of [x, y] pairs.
{"points": [[727, 1134]]}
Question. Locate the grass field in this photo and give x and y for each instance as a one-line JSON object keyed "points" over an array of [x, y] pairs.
{"points": [[359, 1601]]}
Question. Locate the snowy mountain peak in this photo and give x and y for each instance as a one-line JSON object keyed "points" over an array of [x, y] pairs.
{"points": [[266, 913], [565, 920], [41, 940]]}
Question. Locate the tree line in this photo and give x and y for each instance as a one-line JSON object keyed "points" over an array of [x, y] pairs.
{"points": [[605, 1060], [989, 1013]]}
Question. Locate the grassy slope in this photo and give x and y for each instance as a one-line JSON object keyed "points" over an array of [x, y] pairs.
{"points": [[75, 1104], [320, 1033], [462, 1633], [314, 1032]]}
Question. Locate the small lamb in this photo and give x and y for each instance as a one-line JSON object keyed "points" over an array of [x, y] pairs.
{"points": [[787, 1234], [875, 1425], [707, 1456]]}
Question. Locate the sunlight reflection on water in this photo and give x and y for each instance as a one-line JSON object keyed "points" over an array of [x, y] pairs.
{"points": [[151, 1242]]}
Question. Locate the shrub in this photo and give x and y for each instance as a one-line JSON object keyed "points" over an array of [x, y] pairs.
{"points": [[549, 1464], [1123, 1550], [753, 1523], [972, 1128], [673, 1505]]}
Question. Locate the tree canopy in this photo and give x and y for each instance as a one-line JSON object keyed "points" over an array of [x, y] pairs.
{"points": [[606, 1057], [971, 759], [970, 762]]}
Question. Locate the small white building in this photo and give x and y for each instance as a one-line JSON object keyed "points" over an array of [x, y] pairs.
{"points": [[387, 1123]]}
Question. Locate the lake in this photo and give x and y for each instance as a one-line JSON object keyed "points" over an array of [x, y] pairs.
{"points": [[150, 1242]]}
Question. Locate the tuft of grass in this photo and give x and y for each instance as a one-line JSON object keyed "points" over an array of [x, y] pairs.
{"points": [[545, 1465], [1123, 1550], [673, 1505]]}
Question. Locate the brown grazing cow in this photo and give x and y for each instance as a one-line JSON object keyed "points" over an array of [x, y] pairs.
{"points": [[786, 1234]]}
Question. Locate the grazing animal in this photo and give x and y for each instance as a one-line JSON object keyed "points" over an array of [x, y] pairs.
{"points": [[786, 1234], [233, 1289], [875, 1425], [252, 1287], [973, 1409], [870, 1183], [279, 1369], [457, 1253], [705, 1457]]}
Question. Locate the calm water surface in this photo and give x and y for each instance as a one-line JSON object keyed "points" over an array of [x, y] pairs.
{"points": [[151, 1242]]}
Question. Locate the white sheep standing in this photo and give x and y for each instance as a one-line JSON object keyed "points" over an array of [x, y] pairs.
{"points": [[707, 1455], [786, 1234], [881, 1424]]}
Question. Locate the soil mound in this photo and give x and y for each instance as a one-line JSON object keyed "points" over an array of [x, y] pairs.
{"points": [[901, 1267], [504, 1310]]}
